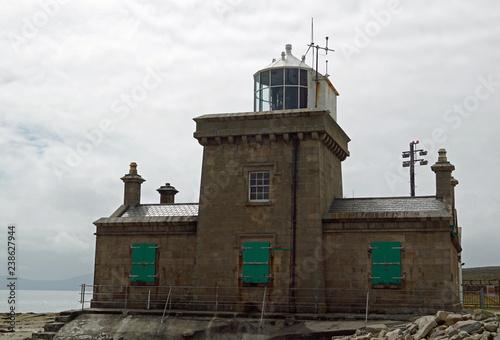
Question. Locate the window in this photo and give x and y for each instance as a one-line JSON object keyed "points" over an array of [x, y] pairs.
{"points": [[143, 262], [256, 262], [386, 263], [258, 186], [280, 88]]}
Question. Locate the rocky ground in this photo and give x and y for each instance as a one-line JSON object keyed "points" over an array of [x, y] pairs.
{"points": [[480, 325], [26, 324]]}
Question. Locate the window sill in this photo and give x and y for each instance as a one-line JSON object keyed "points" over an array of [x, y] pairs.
{"points": [[258, 203], [387, 286]]}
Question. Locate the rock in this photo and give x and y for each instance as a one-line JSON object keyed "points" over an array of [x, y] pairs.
{"points": [[359, 332], [491, 326], [188, 333], [436, 333], [441, 316], [452, 319], [486, 336], [462, 335], [423, 320], [481, 314], [467, 317], [412, 328], [382, 334], [363, 337], [468, 326], [426, 324], [393, 335], [376, 328], [409, 337]]}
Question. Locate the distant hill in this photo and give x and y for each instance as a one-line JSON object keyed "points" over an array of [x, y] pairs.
{"points": [[67, 284], [481, 273]]}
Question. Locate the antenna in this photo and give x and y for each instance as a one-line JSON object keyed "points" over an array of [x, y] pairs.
{"points": [[326, 49], [317, 47], [312, 31]]}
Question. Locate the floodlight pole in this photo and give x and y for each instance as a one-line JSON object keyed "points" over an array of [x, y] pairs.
{"points": [[412, 162]]}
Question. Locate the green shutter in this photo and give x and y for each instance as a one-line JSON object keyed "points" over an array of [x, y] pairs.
{"points": [[143, 262], [256, 262], [386, 263]]}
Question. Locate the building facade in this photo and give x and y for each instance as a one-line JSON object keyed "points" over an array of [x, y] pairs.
{"points": [[272, 216]]}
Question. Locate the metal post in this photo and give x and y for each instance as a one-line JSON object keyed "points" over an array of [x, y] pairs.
{"points": [[166, 304], [423, 299], [263, 307], [316, 300], [171, 297], [82, 295], [126, 296], [367, 305], [481, 298], [412, 169], [149, 299], [216, 298]]}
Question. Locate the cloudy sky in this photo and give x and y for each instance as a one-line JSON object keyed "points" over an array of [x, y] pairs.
{"points": [[88, 87]]}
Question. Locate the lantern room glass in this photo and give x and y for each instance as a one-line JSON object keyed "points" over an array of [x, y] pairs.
{"points": [[282, 88]]}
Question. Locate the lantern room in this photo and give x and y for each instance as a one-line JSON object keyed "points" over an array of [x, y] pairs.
{"points": [[289, 83]]}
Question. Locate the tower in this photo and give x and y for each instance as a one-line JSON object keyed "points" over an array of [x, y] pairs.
{"points": [[268, 177]]}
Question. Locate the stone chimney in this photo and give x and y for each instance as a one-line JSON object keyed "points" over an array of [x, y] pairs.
{"points": [[167, 193], [133, 183], [445, 183]]}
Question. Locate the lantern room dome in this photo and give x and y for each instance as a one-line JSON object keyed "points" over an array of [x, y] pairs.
{"points": [[287, 60], [289, 83]]}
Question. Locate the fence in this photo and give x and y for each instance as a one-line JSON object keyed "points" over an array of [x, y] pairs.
{"points": [[268, 300], [484, 294]]}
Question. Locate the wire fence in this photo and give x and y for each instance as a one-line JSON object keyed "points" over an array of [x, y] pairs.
{"points": [[266, 300]]}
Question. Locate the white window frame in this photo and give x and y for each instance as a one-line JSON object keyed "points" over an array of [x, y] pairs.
{"points": [[259, 183]]}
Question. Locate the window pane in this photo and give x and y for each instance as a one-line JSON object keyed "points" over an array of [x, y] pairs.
{"points": [[256, 82], [291, 76], [291, 97], [264, 79], [265, 101], [303, 77], [303, 97], [277, 77], [276, 98]]}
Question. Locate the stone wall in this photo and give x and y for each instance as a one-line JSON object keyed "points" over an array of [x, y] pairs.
{"points": [[429, 261], [113, 259]]}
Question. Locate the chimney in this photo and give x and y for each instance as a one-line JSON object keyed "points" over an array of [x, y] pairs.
{"points": [[445, 183], [167, 193], [133, 183]]}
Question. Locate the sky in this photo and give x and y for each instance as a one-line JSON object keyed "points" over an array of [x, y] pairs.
{"points": [[88, 87]]}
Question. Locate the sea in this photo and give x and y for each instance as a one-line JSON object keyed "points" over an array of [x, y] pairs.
{"points": [[42, 301]]}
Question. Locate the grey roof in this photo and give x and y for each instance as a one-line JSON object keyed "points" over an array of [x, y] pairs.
{"points": [[386, 204], [162, 210]]}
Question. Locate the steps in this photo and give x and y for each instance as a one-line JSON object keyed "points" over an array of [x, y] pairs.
{"points": [[50, 329]]}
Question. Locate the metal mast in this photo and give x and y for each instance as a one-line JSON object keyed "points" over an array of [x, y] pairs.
{"points": [[411, 163]]}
